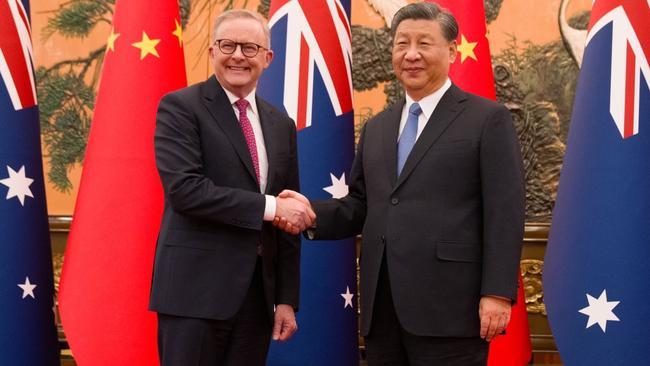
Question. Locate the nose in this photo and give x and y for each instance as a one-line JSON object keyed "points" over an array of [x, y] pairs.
{"points": [[412, 53], [238, 52]]}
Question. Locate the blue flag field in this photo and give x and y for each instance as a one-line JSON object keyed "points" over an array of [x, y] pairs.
{"points": [[310, 79], [28, 334], [597, 267]]}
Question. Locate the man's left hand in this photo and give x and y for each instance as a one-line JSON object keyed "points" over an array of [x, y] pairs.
{"points": [[494, 313], [285, 323]]}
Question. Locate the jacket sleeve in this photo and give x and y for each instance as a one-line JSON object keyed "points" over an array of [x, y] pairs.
{"points": [[288, 267], [180, 164], [503, 192]]}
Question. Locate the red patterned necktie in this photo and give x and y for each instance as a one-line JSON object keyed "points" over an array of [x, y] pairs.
{"points": [[247, 129]]}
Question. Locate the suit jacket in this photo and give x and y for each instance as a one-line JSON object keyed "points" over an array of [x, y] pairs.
{"points": [[451, 224], [213, 217]]}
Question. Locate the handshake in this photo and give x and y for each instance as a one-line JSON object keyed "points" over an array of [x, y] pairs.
{"points": [[293, 212]]}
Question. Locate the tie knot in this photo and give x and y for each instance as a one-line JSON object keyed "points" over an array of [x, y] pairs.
{"points": [[242, 104], [415, 109]]}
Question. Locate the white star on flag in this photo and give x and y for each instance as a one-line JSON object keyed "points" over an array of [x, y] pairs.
{"points": [[28, 288], [18, 184], [600, 310], [348, 297], [338, 189]]}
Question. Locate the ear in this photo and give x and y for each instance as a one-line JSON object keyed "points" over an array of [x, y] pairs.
{"points": [[211, 51], [268, 58], [453, 51]]}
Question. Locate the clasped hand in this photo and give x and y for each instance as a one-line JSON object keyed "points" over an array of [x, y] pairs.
{"points": [[293, 213]]}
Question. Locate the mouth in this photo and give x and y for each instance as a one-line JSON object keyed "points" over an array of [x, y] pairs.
{"points": [[412, 70], [238, 68]]}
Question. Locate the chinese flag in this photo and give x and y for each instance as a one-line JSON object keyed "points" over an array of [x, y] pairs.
{"points": [[106, 276], [472, 71]]}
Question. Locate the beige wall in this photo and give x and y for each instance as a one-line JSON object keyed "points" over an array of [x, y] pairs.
{"points": [[528, 20]]}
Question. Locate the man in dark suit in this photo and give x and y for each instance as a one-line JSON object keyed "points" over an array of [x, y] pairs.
{"points": [[225, 280], [437, 192]]}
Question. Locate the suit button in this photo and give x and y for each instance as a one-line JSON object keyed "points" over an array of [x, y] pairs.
{"points": [[394, 200]]}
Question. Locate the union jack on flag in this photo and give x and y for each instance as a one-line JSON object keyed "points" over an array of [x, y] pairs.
{"points": [[630, 47], [596, 285], [317, 34], [310, 79], [16, 65]]}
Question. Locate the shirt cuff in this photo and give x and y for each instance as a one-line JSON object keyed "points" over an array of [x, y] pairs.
{"points": [[269, 208]]}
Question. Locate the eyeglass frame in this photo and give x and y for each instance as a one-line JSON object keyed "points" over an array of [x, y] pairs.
{"points": [[241, 47]]}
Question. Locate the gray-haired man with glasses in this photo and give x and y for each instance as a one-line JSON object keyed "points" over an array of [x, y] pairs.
{"points": [[225, 279]]}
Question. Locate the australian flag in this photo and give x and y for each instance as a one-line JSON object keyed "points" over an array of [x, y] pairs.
{"points": [[28, 333], [597, 267], [310, 79]]}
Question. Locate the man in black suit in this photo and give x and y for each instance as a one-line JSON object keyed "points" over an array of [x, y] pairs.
{"points": [[225, 280], [437, 191]]}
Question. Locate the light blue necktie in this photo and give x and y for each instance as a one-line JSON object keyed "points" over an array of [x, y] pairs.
{"points": [[408, 137]]}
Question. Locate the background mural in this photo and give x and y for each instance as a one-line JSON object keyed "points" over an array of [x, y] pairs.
{"points": [[536, 51]]}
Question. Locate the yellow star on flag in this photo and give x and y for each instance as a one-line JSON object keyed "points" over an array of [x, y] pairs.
{"points": [[466, 49], [147, 46], [110, 44], [178, 32]]}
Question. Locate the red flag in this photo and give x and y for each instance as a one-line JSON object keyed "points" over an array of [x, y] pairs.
{"points": [[472, 71], [109, 256], [513, 348]]}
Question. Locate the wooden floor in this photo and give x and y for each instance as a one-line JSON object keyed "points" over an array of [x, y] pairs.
{"points": [[546, 359]]}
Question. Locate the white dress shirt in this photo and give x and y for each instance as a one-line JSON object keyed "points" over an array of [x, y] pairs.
{"points": [[428, 104], [263, 161]]}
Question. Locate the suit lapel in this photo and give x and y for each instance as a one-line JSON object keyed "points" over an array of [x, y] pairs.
{"points": [[390, 131], [217, 102], [446, 111], [269, 129]]}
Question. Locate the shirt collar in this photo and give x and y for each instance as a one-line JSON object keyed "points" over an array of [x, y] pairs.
{"points": [[428, 104], [250, 98]]}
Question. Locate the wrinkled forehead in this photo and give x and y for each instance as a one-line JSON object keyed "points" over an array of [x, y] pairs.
{"points": [[418, 28]]}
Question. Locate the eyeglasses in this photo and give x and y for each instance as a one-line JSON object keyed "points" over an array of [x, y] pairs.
{"points": [[248, 49]]}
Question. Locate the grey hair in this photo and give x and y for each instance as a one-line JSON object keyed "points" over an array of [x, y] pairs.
{"points": [[427, 11], [241, 13]]}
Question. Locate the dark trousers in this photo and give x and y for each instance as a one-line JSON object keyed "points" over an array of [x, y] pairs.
{"points": [[242, 340], [388, 344]]}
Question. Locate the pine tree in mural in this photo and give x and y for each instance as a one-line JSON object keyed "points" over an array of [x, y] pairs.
{"points": [[67, 88]]}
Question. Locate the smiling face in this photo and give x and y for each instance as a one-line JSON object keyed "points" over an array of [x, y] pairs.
{"points": [[421, 56], [236, 72]]}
